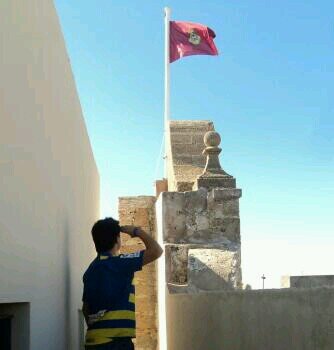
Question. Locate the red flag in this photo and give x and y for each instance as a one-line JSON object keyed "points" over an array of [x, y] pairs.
{"points": [[188, 39]]}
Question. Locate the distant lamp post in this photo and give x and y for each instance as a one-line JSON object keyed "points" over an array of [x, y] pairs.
{"points": [[263, 278]]}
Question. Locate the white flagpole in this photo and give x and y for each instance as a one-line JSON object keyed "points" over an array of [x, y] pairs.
{"points": [[167, 85]]}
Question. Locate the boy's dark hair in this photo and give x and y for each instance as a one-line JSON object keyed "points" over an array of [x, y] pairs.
{"points": [[105, 233]]}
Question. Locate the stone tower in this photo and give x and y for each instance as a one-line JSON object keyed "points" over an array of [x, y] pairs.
{"points": [[200, 225]]}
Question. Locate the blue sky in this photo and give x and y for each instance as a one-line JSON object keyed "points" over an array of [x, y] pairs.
{"points": [[269, 94]]}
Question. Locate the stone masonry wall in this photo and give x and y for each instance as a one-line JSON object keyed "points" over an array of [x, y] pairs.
{"points": [[140, 211], [201, 234], [185, 159]]}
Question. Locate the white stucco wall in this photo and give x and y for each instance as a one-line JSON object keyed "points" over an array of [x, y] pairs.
{"points": [[289, 319], [162, 283], [49, 183]]}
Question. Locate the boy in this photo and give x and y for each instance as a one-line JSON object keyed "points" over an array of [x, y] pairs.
{"points": [[109, 293]]}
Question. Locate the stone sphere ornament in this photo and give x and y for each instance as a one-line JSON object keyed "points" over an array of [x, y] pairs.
{"points": [[214, 176], [212, 139]]}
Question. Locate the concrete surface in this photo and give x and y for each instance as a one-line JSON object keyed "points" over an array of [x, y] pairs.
{"points": [[307, 281], [284, 319]]}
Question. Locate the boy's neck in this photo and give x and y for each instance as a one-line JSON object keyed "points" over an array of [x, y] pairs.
{"points": [[113, 252]]}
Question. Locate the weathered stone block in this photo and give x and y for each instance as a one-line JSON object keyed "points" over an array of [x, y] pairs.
{"points": [[230, 227], [127, 217], [215, 210], [199, 217], [195, 212], [231, 207], [176, 263], [198, 161], [182, 159], [223, 209], [141, 217], [183, 186], [198, 139], [221, 194], [182, 138], [211, 182], [195, 201], [174, 223], [184, 149], [213, 269], [202, 222]]}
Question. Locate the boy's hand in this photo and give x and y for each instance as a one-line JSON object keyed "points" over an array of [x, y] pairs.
{"points": [[128, 229]]}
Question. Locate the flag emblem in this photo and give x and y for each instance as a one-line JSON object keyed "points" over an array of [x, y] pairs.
{"points": [[194, 38], [187, 39]]}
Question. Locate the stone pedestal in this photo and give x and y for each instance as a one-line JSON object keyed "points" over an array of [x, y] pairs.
{"points": [[213, 175], [201, 236]]}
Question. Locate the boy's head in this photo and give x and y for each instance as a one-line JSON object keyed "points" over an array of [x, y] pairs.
{"points": [[106, 235]]}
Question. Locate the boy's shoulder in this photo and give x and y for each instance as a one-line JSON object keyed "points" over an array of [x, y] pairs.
{"points": [[90, 268]]}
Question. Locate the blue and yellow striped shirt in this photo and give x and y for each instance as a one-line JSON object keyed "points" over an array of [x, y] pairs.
{"points": [[109, 293]]}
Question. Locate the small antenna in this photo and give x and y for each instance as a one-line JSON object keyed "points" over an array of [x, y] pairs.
{"points": [[263, 278]]}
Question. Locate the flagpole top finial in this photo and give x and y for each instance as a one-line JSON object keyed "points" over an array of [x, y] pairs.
{"points": [[167, 11]]}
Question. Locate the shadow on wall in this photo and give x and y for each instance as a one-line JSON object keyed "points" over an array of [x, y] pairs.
{"points": [[191, 270], [204, 277]]}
